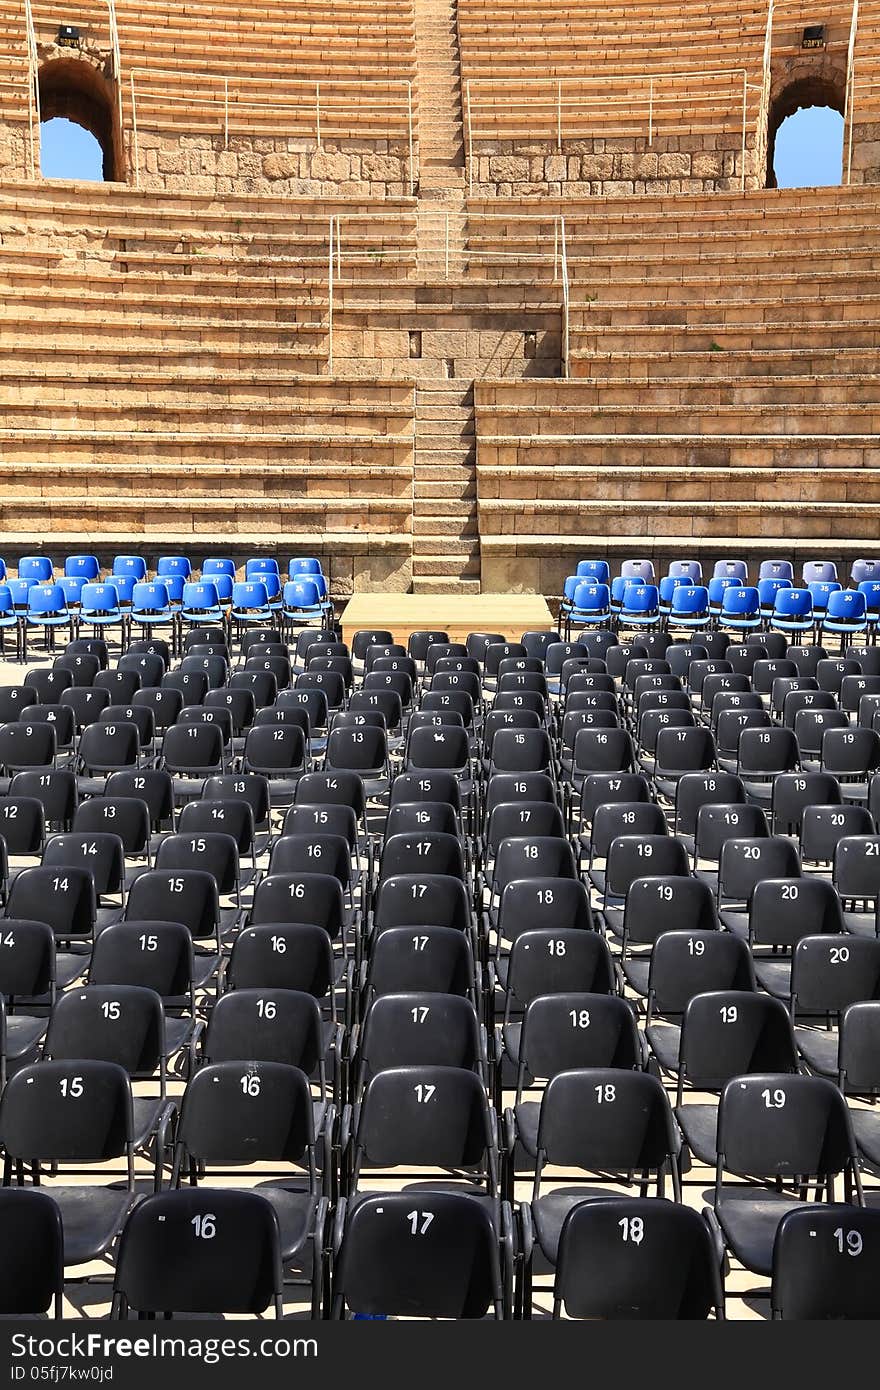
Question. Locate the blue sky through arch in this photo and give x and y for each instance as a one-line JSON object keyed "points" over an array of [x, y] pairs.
{"points": [[809, 148], [69, 152]]}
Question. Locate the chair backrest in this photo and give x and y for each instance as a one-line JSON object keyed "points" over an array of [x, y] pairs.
{"points": [[728, 1033], [192, 1251], [636, 1257], [32, 1270], [825, 1263], [687, 963], [67, 1111], [773, 1125], [567, 1031], [441, 1262]]}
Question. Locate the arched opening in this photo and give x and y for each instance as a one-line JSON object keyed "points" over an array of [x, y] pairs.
{"points": [[67, 151], [805, 135], [73, 91]]}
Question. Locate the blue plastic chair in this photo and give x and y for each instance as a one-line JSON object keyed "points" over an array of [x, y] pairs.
{"points": [[691, 570], [84, 567], [767, 591], [320, 581], [223, 584], [250, 604], [643, 570], [619, 585], [793, 611], [133, 565], [690, 607], [740, 607], [597, 570], [260, 565], [151, 609], [217, 564], [591, 605], [8, 619], [168, 565], [47, 609], [666, 588], [303, 564], [776, 569], [846, 614], [718, 585], [124, 586], [731, 569], [73, 585], [862, 570], [301, 603], [640, 606], [272, 583], [2, 571], [821, 592], [100, 607], [200, 604], [817, 571], [569, 584], [19, 589], [871, 589], [37, 569]]}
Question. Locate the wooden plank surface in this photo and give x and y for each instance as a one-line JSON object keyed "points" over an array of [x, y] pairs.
{"points": [[455, 614]]}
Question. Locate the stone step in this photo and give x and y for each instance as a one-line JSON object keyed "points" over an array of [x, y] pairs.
{"points": [[824, 522], [438, 584], [569, 483]]}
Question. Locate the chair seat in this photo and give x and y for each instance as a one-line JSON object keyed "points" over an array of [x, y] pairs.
{"points": [[511, 1033], [699, 1127], [860, 923], [736, 920], [818, 1047], [91, 1217], [527, 1115], [612, 915], [775, 977], [23, 1032], [664, 1040], [296, 1209], [750, 1223], [146, 1111], [866, 1131], [636, 974], [549, 1213]]}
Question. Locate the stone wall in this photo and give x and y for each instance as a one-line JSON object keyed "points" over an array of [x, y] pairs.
{"points": [[14, 150], [614, 168], [271, 166]]}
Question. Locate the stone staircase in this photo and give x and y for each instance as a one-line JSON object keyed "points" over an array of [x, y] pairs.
{"points": [[442, 221], [446, 547]]}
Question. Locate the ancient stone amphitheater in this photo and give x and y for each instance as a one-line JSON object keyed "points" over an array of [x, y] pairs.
{"points": [[447, 294]]}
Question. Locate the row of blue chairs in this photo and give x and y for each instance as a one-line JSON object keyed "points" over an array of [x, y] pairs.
{"points": [[40, 569], [171, 603], [812, 571], [819, 609], [634, 599]]}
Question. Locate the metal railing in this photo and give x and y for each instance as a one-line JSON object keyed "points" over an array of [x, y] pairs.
{"points": [[320, 110], [549, 230], [607, 107], [33, 86], [766, 70], [566, 295], [850, 79]]}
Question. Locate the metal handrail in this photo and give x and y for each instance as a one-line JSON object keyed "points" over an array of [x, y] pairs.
{"points": [[327, 102], [655, 103], [850, 78], [33, 85], [566, 296]]}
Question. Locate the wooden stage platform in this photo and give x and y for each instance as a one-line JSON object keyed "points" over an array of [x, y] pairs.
{"points": [[455, 614]]}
